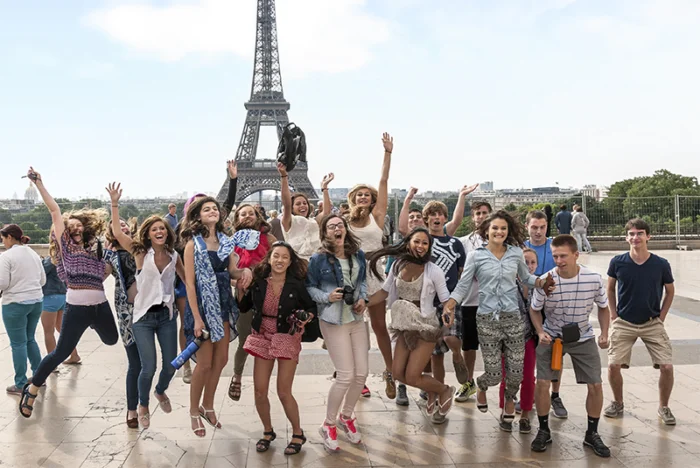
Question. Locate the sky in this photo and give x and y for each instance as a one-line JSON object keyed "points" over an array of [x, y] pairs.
{"points": [[525, 93]]}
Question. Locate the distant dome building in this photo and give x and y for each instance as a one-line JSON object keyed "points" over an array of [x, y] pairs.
{"points": [[31, 193]]}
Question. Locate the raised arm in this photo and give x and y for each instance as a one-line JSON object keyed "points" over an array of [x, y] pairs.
{"points": [[403, 215], [458, 215], [232, 186], [54, 209], [382, 204], [327, 203], [286, 197], [114, 190]]}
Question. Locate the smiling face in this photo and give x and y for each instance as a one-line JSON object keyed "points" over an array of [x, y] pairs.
{"points": [[158, 233], [419, 245], [75, 230], [280, 259], [363, 197], [415, 220], [124, 227], [498, 231], [300, 206], [637, 237], [537, 229], [531, 261], [209, 214], [335, 230], [247, 217]]}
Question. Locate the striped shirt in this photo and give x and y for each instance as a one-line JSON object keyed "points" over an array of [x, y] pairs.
{"points": [[571, 302]]}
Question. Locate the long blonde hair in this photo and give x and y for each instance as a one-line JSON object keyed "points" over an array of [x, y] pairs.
{"points": [[358, 213], [94, 223]]}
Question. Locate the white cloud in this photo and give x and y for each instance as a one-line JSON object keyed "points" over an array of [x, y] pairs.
{"points": [[314, 35]]}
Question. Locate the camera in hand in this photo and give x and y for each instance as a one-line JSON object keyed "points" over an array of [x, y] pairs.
{"points": [[348, 295], [302, 315], [296, 319]]}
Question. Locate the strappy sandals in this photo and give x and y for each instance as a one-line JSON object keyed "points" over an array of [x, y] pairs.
{"points": [[483, 407], [234, 390], [203, 413], [24, 401], [294, 447], [200, 431], [430, 404], [263, 444]]}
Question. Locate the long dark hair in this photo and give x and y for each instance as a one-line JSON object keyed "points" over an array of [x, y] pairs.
{"points": [[401, 252], [133, 228], [193, 222], [351, 245], [297, 268], [516, 236], [260, 223]]}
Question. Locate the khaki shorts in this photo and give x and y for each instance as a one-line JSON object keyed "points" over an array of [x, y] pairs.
{"points": [[624, 334]]}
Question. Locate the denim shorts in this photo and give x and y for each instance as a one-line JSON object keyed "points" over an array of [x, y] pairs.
{"points": [[54, 303]]}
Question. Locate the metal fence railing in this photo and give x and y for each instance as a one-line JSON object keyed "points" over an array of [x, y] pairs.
{"points": [[670, 217]]}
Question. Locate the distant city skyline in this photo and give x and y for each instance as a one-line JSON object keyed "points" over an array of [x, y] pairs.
{"points": [[150, 92]]}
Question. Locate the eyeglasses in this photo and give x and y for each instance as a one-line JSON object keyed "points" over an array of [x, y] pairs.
{"points": [[335, 227]]}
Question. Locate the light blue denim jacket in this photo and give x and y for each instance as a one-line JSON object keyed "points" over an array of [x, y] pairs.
{"points": [[325, 276], [498, 291]]}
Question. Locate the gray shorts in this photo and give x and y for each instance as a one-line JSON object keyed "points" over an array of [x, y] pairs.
{"points": [[584, 357]]}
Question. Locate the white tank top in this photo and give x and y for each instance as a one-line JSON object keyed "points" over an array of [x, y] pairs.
{"points": [[370, 236]]}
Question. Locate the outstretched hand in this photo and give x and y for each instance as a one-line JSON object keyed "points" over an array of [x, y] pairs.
{"points": [[232, 169], [388, 142], [467, 189], [282, 169], [549, 285], [327, 179], [115, 192], [33, 175]]}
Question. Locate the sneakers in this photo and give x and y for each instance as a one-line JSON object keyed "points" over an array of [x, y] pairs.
{"points": [[390, 385], [505, 423], [365, 392], [558, 409], [542, 439], [348, 426], [329, 434], [666, 416], [524, 426], [187, 375], [594, 441], [465, 392], [614, 410], [13, 390], [402, 397]]}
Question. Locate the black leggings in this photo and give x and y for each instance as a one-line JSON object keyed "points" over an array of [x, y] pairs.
{"points": [[77, 319]]}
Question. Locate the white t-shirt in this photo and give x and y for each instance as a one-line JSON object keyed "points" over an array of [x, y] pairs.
{"points": [[21, 275], [571, 302], [303, 236], [472, 242]]}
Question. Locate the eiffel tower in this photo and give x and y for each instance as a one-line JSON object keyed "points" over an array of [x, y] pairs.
{"points": [[266, 107]]}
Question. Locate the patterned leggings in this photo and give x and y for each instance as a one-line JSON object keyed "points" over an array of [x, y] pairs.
{"points": [[502, 336]]}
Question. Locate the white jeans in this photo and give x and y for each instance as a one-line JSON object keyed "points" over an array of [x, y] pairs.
{"points": [[348, 347], [582, 241]]}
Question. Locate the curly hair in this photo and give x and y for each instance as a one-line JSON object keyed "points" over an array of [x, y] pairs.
{"points": [[351, 245], [358, 213], [516, 236], [193, 222], [401, 252], [260, 223], [133, 227], [143, 240], [94, 223], [297, 268]]}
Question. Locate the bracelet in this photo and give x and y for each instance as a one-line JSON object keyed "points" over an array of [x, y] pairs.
{"points": [[283, 177], [387, 151], [115, 206], [324, 190]]}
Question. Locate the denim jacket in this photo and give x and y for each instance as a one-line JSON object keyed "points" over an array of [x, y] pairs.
{"points": [[325, 276]]}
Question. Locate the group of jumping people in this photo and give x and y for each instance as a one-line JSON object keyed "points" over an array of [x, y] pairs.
{"points": [[328, 276]]}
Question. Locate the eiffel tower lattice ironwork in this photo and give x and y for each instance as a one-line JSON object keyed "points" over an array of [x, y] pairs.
{"points": [[266, 107]]}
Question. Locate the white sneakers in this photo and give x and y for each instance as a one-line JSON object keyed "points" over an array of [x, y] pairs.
{"points": [[329, 433]]}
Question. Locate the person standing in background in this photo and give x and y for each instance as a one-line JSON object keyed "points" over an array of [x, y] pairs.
{"points": [[171, 217], [563, 220], [53, 305]]}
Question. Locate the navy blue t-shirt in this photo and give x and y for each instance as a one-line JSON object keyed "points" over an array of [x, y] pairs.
{"points": [[448, 253], [640, 288]]}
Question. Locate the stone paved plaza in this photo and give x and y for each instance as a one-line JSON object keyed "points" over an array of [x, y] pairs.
{"points": [[79, 418]]}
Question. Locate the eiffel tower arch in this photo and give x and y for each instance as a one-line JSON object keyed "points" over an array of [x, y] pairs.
{"points": [[266, 107]]}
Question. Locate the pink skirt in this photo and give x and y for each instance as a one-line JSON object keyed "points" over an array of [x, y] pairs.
{"points": [[269, 345]]}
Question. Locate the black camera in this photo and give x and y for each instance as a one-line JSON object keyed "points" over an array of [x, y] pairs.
{"points": [[302, 315], [349, 295], [296, 319]]}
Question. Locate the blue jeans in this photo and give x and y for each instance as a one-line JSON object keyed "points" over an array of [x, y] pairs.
{"points": [[156, 322], [132, 376], [20, 322]]}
